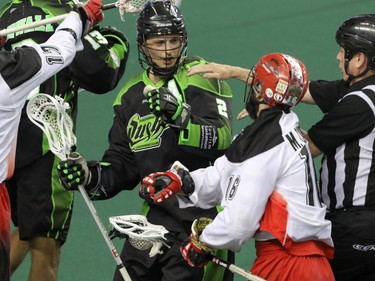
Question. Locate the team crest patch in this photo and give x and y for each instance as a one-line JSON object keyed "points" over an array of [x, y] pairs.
{"points": [[144, 132]]}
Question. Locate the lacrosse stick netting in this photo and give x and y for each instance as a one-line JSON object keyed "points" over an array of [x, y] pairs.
{"points": [[133, 6], [49, 114], [140, 233]]}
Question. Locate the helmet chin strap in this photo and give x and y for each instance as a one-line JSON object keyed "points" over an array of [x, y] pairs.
{"points": [[252, 106]]}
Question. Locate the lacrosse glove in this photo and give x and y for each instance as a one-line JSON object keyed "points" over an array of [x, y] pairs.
{"points": [[170, 109], [160, 186], [91, 14], [196, 253], [74, 172]]}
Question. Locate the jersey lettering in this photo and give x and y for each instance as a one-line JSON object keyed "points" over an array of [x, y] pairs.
{"points": [[54, 55], [96, 39], [299, 144], [222, 107], [234, 182], [144, 132], [28, 20]]}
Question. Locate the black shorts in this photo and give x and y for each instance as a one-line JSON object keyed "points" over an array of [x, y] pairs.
{"points": [[353, 234], [170, 265], [40, 205]]}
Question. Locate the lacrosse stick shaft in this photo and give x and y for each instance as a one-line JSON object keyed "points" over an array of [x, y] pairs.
{"points": [[235, 269], [7, 31], [95, 215], [229, 266]]}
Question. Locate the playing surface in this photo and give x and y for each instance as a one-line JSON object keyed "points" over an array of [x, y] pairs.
{"points": [[218, 32]]}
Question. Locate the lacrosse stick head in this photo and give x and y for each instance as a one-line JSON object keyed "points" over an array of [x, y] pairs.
{"points": [[141, 234], [132, 6], [49, 114]]}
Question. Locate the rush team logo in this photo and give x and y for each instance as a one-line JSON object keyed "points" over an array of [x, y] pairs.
{"points": [[145, 132]]}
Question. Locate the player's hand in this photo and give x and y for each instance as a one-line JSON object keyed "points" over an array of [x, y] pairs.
{"points": [[91, 14], [3, 39], [243, 114], [74, 172], [161, 186], [196, 253], [172, 110]]}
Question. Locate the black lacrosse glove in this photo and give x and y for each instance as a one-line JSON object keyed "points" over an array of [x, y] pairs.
{"points": [[196, 253], [74, 172], [170, 109]]}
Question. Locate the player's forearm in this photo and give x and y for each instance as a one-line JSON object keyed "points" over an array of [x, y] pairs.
{"points": [[241, 74]]}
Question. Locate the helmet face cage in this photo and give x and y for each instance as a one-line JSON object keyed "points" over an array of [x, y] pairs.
{"points": [[160, 18], [357, 34], [279, 79]]}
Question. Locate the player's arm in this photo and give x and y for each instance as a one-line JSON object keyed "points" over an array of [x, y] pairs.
{"points": [[203, 119], [221, 71], [33, 65], [210, 124], [101, 65]]}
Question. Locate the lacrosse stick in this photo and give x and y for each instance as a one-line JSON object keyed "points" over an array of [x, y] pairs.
{"points": [[49, 114], [140, 233], [128, 6], [144, 235]]}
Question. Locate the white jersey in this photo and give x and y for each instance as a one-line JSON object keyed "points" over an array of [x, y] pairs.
{"points": [[266, 185], [23, 70]]}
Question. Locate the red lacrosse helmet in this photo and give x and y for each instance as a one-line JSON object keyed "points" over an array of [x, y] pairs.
{"points": [[280, 79]]}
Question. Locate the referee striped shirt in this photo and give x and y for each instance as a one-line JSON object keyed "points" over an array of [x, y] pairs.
{"points": [[346, 135]]}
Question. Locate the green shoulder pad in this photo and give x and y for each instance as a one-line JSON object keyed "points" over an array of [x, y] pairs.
{"points": [[134, 80]]}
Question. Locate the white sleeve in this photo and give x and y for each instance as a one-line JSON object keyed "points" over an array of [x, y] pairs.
{"points": [[55, 54], [246, 189], [207, 193]]}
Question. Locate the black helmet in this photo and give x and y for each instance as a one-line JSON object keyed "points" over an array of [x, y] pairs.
{"points": [[160, 18], [357, 34]]}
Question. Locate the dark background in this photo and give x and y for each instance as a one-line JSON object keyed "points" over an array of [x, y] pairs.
{"points": [[234, 32]]}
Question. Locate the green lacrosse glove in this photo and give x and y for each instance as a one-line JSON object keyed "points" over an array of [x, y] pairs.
{"points": [[74, 172], [196, 253], [172, 110]]}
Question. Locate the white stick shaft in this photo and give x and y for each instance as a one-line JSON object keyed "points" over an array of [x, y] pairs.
{"points": [[95, 215], [235, 269], [7, 31]]}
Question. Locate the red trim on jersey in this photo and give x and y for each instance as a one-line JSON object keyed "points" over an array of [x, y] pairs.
{"points": [[275, 220]]}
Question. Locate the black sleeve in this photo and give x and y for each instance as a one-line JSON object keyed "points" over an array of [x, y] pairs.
{"points": [[101, 65], [326, 94], [118, 169], [351, 118]]}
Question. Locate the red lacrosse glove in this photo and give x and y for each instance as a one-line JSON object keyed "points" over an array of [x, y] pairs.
{"points": [[196, 253], [161, 186], [91, 14]]}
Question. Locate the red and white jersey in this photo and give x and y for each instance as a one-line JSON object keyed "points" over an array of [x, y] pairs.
{"points": [[266, 185], [21, 71]]}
